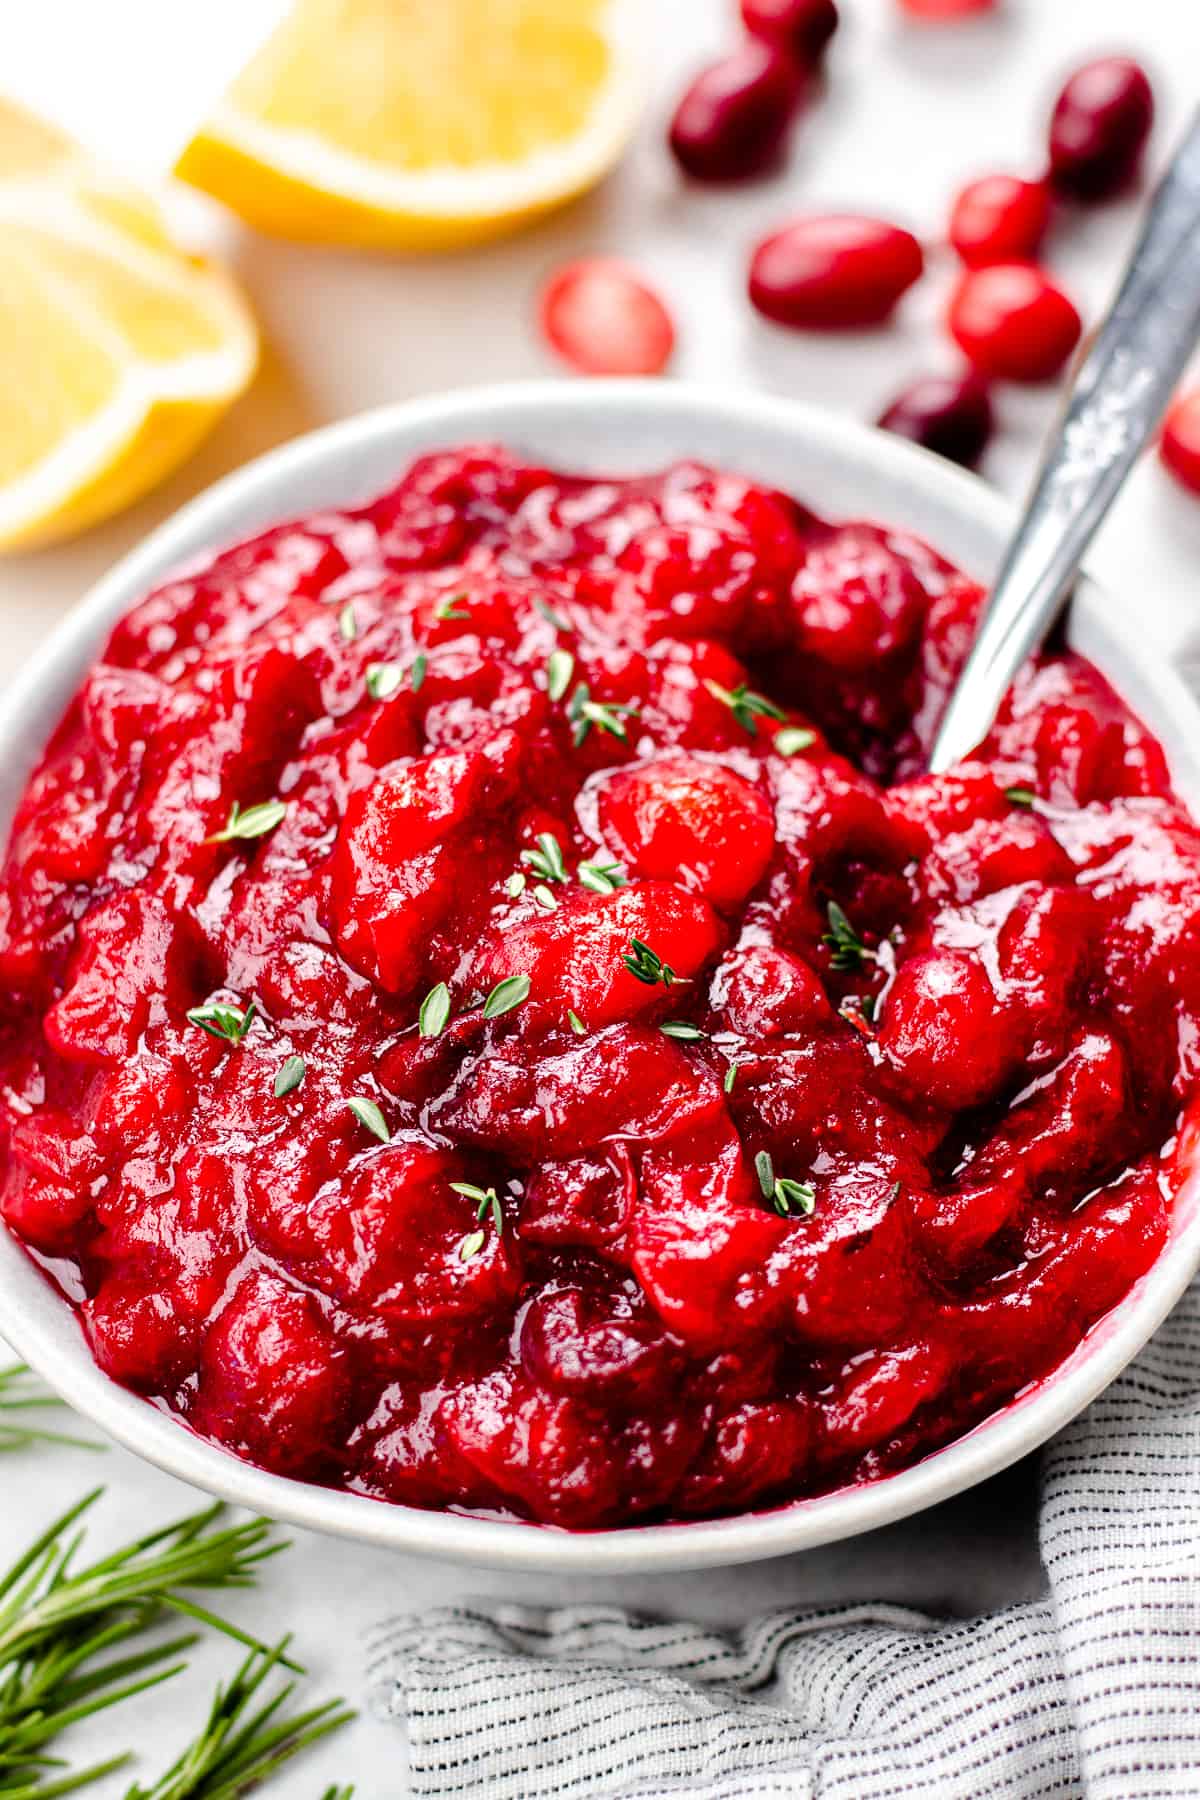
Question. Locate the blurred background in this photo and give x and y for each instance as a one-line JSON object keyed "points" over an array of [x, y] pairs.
{"points": [[904, 111]]}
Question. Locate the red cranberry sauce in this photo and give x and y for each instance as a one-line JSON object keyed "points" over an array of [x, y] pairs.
{"points": [[816, 1107]]}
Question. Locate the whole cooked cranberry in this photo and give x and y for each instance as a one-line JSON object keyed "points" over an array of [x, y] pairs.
{"points": [[802, 27], [833, 270], [949, 414], [1180, 443], [731, 121], [1013, 323], [946, 9], [602, 318], [1099, 127], [999, 219]]}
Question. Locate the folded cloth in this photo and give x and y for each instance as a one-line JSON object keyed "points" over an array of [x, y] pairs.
{"points": [[1094, 1690]]}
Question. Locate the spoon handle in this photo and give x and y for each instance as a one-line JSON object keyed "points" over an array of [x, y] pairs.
{"points": [[1120, 393]]}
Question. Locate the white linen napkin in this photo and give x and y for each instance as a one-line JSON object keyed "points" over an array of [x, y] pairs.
{"points": [[1093, 1690]]}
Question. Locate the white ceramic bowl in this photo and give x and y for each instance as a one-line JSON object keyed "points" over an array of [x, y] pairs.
{"points": [[843, 470]]}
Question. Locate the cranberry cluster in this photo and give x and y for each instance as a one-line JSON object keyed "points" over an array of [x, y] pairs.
{"points": [[494, 1016]]}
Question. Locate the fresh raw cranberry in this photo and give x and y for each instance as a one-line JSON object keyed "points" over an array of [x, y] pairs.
{"points": [[833, 270], [1180, 444], [1013, 323], [731, 121], [999, 218], [603, 319], [1099, 127], [950, 414], [802, 27], [946, 9]]}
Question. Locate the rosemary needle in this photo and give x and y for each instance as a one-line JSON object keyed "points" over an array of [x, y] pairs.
{"points": [[20, 1395]]}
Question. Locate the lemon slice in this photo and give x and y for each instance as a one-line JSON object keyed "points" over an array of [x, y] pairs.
{"points": [[422, 124], [117, 352]]}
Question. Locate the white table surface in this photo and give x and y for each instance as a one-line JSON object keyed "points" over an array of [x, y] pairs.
{"points": [[909, 114]]}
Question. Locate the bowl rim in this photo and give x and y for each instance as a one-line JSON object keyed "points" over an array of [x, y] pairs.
{"points": [[32, 1314]]}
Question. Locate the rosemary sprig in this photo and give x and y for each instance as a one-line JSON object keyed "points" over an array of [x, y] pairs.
{"points": [[20, 1395], [245, 1737]]}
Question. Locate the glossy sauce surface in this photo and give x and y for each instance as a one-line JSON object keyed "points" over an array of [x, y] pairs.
{"points": [[806, 1109]]}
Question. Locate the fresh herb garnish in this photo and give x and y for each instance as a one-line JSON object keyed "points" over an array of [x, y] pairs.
{"points": [[446, 610], [291, 1074], [255, 822], [859, 1010], [514, 887], [849, 951], [512, 991], [434, 1015], [786, 1196], [731, 1075], [547, 860], [896, 1192], [681, 1029], [601, 877], [793, 739], [222, 1019], [22, 1395], [244, 1740], [647, 965], [368, 1114], [746, 706], [584, 712], [347, 621], [576, 1023], [487, 1203], [543, 898], [384, 680], [416, 674], [1020, 796], [560, 667], [553, 618]]}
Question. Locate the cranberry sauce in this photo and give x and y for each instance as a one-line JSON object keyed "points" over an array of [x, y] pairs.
{"points": [[498, 1019]]}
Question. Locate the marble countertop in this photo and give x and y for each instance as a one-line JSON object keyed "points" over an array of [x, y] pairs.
{"points": [[909, 115]]}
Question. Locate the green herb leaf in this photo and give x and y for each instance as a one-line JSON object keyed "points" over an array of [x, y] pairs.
{"points": [[21, 1396], [543, 898], [471, 1245], [584, 712], [368, 1114], [559, 669], [1020, 796], [245, 1738], [547, 860], [746, 706], [514, 887], [730, 1077], [647, 965], [557, 619], [255, 822], [487, 1205], [601, 877], [576, 1023], [683, 1030], [764, 1168], [511, 992], [434, 1015], [291, 1074], [384, 680], [446, 610], [791, 1197], [793, 739], [222, 1019], [348, 623], [849, 951], [416, 674]]}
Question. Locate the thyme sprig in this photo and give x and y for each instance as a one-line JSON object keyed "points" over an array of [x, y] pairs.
{"points": [[255, 822], [22, 1395], [487, 1204], [584, 712], [546, 860], [647, 965], [223, 1019], [746, 706], [849, 951], [788, 1197]]}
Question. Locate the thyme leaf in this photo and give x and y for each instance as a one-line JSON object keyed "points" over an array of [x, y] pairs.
{"points": [[255, 822], [511, 992], [434, 1015], [368, 1114], [291, 1074]]}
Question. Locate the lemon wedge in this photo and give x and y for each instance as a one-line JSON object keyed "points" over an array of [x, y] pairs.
{"points": [[411, 125], [117, 352]]}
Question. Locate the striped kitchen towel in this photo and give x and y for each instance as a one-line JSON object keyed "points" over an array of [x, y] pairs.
{"points": [[1092, 1691]]}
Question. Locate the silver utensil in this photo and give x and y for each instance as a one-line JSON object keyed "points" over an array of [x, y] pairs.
{"points": [[1119, 396]]}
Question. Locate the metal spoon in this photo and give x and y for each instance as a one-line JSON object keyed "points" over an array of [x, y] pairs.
{"points": [[1119, 396]]}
